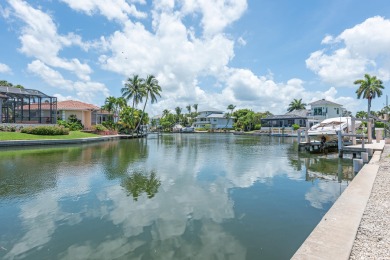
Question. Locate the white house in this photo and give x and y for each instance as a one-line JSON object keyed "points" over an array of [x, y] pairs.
{"points": [[320, 110], [214, 119], [323, 109]]}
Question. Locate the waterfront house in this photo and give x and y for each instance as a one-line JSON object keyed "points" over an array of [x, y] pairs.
{"points": [[88, 114], [298, 117], [213, 119], [319, 111], [323, 109], [26, 106]]}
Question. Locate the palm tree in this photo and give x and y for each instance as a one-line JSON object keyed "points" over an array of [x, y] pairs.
{"points": [[133, 90], [370, 88], [151, 89], [189, 109], [195, 106], [230, 107], [296, 105], [361, 114], [109, 104], [165, 113], [178, 113]]}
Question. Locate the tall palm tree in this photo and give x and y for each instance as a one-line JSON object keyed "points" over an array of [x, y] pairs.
{"points": [[178, 113], [109, 104], [151, 89], [369, 88], [134, 90], [230, 107], [296, 105], [189, 109], [165, 113], [195, 106]]}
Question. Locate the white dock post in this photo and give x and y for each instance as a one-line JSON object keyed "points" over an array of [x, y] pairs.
{"points": [[370, 152], [306, 131], [340, 143], [369, 131], [364, 157], [378, 135], [357, 165], [353, 131], [299, 136]]}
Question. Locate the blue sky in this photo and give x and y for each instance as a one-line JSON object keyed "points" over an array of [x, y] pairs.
{"points": [[253, 54]]}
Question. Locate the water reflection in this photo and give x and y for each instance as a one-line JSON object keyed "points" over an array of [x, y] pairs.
{"points": [[205, 191], [138, 183]]}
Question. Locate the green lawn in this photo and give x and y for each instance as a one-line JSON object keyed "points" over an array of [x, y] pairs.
{"points": [[21, 136]]}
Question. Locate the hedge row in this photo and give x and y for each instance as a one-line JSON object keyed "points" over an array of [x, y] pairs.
{"points": [[45, 130]]}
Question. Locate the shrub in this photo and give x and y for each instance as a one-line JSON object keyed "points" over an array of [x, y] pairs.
{"points": [[73, 123], [295, 126], [46, 130], [99, 128], [257, 127], [379, 124]]}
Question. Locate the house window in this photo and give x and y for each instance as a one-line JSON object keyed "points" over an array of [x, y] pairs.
{"points": [[337, 111], [318, 111]]}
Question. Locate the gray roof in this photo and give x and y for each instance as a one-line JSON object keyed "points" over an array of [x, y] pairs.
{"points": [[295, 114], [322, 102], [11, 91], [216, 115], [298, 113], [281, 117]]}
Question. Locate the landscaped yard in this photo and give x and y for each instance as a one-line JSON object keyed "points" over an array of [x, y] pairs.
{"points": [[21, 136]]}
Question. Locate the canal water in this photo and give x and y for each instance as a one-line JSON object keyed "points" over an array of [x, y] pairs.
{"points": [[178, 196]]}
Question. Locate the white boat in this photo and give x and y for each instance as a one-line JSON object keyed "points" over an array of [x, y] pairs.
{"points": [[329, 127]]}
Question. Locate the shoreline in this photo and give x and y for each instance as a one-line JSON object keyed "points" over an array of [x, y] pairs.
{"points": [[357, 226], [18, 143]]}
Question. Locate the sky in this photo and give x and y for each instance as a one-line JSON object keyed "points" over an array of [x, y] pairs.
{"points": [[256, 54]]}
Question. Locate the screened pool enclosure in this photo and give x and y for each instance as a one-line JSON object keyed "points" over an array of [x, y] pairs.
{"points": [[27, 106]]}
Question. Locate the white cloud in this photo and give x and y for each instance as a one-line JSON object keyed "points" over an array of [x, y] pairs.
{"points": [[113, 10], [365, 50], [217, 14], [40, 40], [5, 69], [86, 91]]}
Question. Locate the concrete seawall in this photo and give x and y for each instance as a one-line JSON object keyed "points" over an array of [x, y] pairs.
{"points": [[334, 236], [66, 141]]}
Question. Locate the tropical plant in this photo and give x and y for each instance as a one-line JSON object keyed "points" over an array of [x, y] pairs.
{"points": [[230, 107], [189, 109], [138, 183], [151, 89], [5, 83], [178, 114], [296, 105], [361, 114], [134, 90], [370, 87], [165, 113], [195, 106]]}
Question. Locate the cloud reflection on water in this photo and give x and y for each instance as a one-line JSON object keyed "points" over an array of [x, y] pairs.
{"points": [[184, 216]]}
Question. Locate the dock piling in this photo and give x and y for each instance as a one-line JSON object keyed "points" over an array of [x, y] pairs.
{"points": [[357, 165]]}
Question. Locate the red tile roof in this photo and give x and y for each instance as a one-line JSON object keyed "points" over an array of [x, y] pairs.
{"points": [[75, 105], [65, 105]]}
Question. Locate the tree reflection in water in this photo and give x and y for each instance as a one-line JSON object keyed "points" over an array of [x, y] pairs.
{"points": [[138, 183]]}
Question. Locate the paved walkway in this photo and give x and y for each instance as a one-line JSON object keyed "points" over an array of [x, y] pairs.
{"points": [[373, 237]]}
